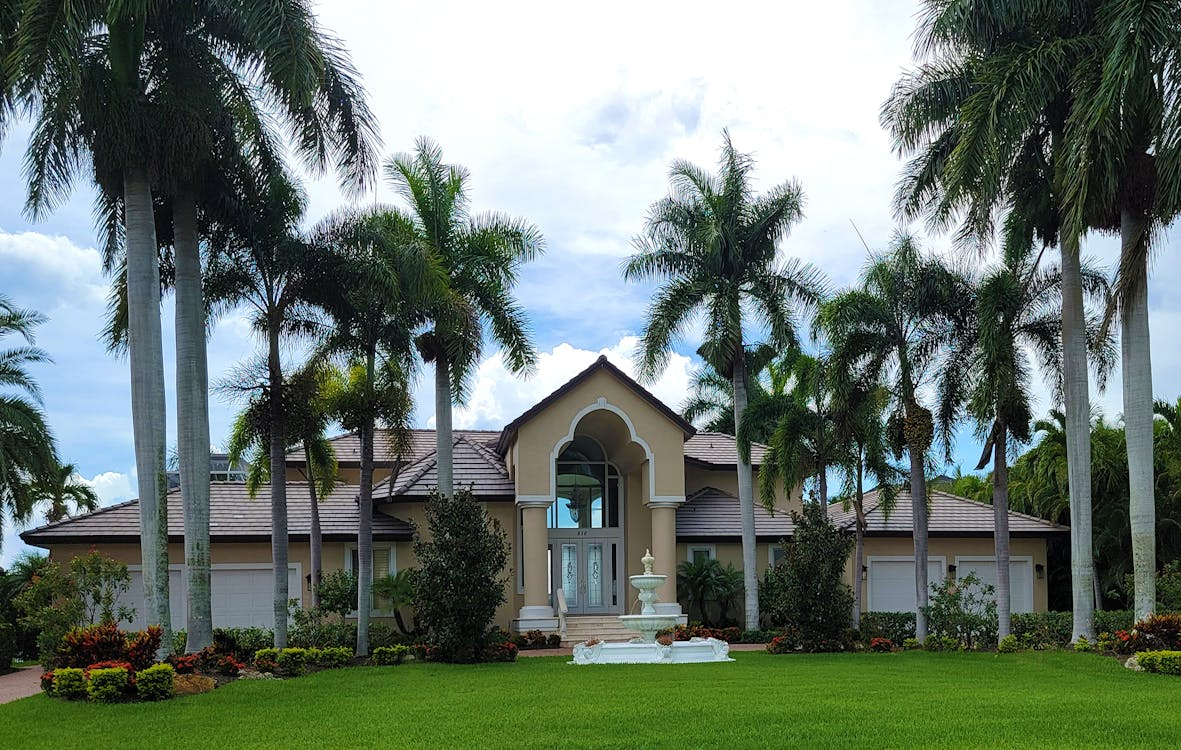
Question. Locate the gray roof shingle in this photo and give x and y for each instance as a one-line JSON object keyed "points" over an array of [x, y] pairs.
{"points": [[422, 442], [713, 513], [720, 449], [476, 465], [951, 515], [233, 516]]}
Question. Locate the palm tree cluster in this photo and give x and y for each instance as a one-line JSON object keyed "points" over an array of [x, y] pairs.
{"points": [[182, 113]]}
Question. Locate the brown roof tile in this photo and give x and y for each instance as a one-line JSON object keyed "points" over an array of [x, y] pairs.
{"points": [[475, 465], [951, 515], [720, 449], [712, 513], [233, 516]]}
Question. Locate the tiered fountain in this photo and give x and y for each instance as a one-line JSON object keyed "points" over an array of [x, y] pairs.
{"points": [[645, 649]]}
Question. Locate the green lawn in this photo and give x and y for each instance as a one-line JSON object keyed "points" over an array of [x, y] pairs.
{"points": [[845, 700]]}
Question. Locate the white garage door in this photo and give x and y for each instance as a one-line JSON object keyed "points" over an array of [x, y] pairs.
{"points": [[240, 595], [891, 582], [1020, 578]]}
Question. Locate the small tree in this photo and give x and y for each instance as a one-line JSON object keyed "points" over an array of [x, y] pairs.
{"points": [[965, 610], [461, 578], [338, 593], [805, 594]]}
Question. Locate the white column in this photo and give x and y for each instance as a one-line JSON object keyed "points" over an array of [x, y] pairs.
{"points": [[664, 549], [536, 614]]}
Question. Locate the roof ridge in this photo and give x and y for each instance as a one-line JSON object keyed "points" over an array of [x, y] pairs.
{"points": [[988, 506], [488, 455], [416, 471], [88, 514]]}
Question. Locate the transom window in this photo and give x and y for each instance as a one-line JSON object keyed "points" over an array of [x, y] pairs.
{"points": [[587, 488]]}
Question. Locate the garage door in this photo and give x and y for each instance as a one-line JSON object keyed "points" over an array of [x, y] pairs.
{"points": [[240, 595], [891, 582], [1020, 578]]}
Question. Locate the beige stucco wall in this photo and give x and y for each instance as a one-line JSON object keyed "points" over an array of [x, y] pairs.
{"points": [[537, 438]]}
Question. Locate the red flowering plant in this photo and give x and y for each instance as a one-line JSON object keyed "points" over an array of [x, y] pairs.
{"points": [[881, 644], [113, 664], [47, 682], [183, 663], [781, 645], [1127, 641]]}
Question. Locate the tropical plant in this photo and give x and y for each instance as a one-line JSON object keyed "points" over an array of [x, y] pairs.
{"points": [[984, 118], [380, 290], [1018, 311], [481, 255], [712, 588], [27, 450], [396, 592], [893, 329], [63, 493], [964, 610], [716, 245], [710, 403]]}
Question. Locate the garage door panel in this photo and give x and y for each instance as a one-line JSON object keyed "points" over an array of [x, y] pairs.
{"points": [[891, 583], [1020, 579], [239, 596], [134, 598]]}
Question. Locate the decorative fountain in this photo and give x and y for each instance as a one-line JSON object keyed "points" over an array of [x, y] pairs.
{"points": [[645, 649]]}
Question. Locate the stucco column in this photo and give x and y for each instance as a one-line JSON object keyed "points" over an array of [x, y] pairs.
{"points": [[664, 549], [534, 541]]}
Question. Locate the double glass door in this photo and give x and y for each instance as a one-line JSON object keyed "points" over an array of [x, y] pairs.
{"points": [[587, 571]]}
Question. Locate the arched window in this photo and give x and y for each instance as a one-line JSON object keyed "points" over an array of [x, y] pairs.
{"points": [[587, 488]]}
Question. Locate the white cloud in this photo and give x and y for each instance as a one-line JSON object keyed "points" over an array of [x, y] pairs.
{"points": [[57, 262], [112, 487]]}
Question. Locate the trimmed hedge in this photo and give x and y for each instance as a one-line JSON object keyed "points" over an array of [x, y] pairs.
{"points": [[390, 656], [895, 626], [69, 683], [8, 646], [156, 683], [108, 685], [1163, 662], [1041, 629]]}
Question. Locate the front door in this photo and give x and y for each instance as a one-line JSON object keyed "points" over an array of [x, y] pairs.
{"points": [[587, 571]]}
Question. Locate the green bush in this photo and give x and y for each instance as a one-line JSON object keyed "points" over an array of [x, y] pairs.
{"points": [[334, 657], [292, 661], [911, 644], [896, 626], [943, 643], [963, 610], [712, 589], [804, 594], [241, 643], [266, 660], [461, 579], [1053, 629], [8, 646], [390, 655], [108, 685], [315, 633], [180, 639], [1160, 632], [1164, 662], [1008, 645], [1082, 645], [338, 592], [156, 683], [69, 683]]}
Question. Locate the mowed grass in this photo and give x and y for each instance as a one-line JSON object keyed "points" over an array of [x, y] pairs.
{"points": [[913, 699]]}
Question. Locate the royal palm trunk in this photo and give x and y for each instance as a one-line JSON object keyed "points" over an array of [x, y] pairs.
{"points": [[746, 500], [859, 548], [1000, 516], [822, 480], [278, 455], [192, 420], [443, 436], [365, 514], [1138, 414], [1075, 391], [315, 538], [148, 414], [918, 503]]}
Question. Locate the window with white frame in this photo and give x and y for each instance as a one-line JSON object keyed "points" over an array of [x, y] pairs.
{"points": [[384, 564], [776, 554], [698, 552]]}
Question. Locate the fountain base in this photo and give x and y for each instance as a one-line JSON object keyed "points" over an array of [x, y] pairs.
{"points": [[695, 651]]}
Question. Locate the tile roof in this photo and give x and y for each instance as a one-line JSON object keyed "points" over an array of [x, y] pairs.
{"points": [[233, 516], [951, 515], [422, 442], [602, 363], [710, 513], [720, 449], [476, 464]]}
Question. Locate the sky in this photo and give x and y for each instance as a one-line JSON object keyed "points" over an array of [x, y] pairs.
{"points": [[568, 116]]}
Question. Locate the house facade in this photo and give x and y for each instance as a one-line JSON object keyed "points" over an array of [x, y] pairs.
{"points": [[582, 483]]}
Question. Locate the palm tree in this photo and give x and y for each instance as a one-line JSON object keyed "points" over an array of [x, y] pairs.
{"points": [[27, 451], [306, 421], [382, 286], [711, 395], [1122, 157], [892, 329], [984, 118], [64, 493], [1018, 311], [717, 246], [481, 255]]}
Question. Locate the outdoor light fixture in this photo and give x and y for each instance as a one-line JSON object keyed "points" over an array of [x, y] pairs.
{"points": [[951, 570], [1040, 570], [309, 578], [864, 572]]}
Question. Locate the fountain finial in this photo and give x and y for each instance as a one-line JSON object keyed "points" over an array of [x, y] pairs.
{"points": [[647, 559]]}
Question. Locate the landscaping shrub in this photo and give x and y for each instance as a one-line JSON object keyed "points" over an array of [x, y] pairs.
{"points": [[554, 640], [180, 639], [314, 633], [805, 594], [241, 643], [108, 685], [911, 644], [424, 651], [1112, 620], [1042, 629], [780, 645], [142, 647], [1164, 662], [461, 579], [388, 656], [1168, 587], [964, 610], [1008, 645], [1160, 632], [334, 657], [81, 647], [156, 683], [1126, 641], [943, 643], [69, 683], [338, 592], [62, 598], [395, 593], [729, 635], [712, 589], [506, 651], [881, 644], [8, 646], [266, 660], [897, 626], [1082, 645], [292, 661]]}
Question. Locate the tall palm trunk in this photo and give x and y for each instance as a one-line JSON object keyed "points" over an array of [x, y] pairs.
{"points": [[192, 420], [315, 538], [278, 452], [1138, 413], [1000, 516], [443, 437], [148, 415], [822, 479], [1075, 391], [859, 547], [746, 499], [365, 514], [918, 503]]}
